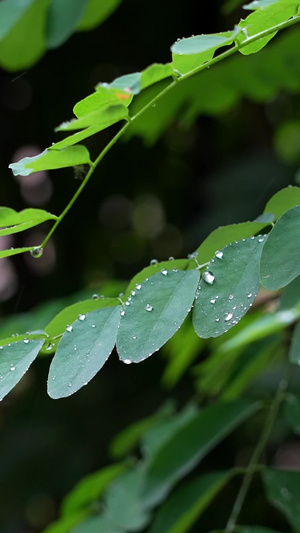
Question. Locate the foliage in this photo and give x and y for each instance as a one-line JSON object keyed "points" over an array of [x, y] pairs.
{"points": [[216, 285]]}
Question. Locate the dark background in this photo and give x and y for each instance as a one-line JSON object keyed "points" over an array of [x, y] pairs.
{"points": [[220, 171]]}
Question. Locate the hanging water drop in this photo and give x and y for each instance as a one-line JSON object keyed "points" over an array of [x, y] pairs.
{"points": [[164, 272], [229, 316], [208, 277], [127, 361], [149, 307], [81, 317], [153, 262], [219, 254], [69, 328], [36, 252], [171, 258], [95, 296]]}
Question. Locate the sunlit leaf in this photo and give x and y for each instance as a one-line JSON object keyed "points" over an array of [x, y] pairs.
{"points": [[101, 118], [184, 507], [103, 96], [155, 312], [15, 359], [173, 460], [82, 351], [283, 491], [50, 159], [280, 260], [283, 200], [90, 488], [231, 287], [14, 251], [13, 222]]}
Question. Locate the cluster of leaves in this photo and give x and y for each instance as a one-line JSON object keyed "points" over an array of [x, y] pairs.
{"points": [[30, 27], [123, 497]]}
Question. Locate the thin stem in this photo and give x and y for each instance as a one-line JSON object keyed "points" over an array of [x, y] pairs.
{"points": [[254, 462], [180, 79]]}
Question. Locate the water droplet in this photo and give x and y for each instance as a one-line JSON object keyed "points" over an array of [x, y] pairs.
{"points": [[69, 328], [249, 295], [260, 239], [194, 255], [81, 317], [153, 262], [13, 368], [69, 384], [127, 303], [231, 297], [164, 272], [26, 341], [121, 294], [175, 269], [122, 313], [127, 361], [148, 307], [217, 320], [171, 258], [50, 346], [229, 316], [134, 337], [138, 287], [219, 255], [95, 296], [93, 326], [54, 378], [132, 293], [208, 277], [213, 301], [36, 252]]}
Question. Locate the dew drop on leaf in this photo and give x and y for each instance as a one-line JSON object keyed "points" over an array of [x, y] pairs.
{"points": [[219, 255], [69, 328], [164, 272], [81, 317], [229, 316], [138, 287], [153, 262], [148, 307], [36, 252], [95, 296], [208, 277], [127, 361], [26, 341]]}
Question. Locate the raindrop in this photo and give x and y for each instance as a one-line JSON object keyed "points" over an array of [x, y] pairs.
{"points": [[219, 255], [148, 307], [127, 361], [217, 320], [194, 255], [213, 301], [229, 316], [134, 337], [69, 328], [138, 287], [50, 346], [93, 326], [261, 239], [231, 297], [164, 272], [153, 262], [26, 341], [122, 313], [54, 378], [127, 303], [171, 258], [132, 293], [208, 277], [13, 368], [175, 269], [36, 252], [81, 317], [249, 295], [95, 296], [121, 294]]}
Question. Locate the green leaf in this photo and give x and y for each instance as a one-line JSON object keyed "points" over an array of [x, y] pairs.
{"points": [[15, 359], [173, 460], [283, 200], [260, 21], [192, 52], [225, 235], [294, 350], [14, 251], [262, 4], [97, 524], [128, 439], [103, 96], [66, 523], [280, 260], [96, 13], [234, 272], [102, 118], [82, 351], [283, 491], [183, 508], [50, 159], [69, 314], [292, 412], [13, 222], [90, 488], [154, 312], [63, 17], [147, 272], [250, 529], [25, 43], [155, 73], [290, 296], [123, 501], [11, 11]]}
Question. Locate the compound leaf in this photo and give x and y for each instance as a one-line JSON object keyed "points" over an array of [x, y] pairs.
{"points": [[154, 312], [13, 222]]}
